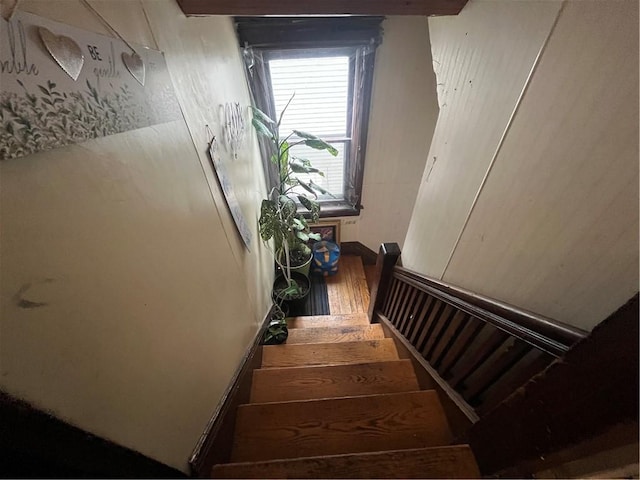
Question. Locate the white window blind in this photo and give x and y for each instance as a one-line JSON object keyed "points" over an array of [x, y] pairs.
{"points": [[320, 106]]}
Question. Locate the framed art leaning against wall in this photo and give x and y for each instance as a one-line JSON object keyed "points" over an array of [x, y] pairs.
{"points": [[329, 230]]}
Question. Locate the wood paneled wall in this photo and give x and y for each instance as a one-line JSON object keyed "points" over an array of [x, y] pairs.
{"points": [[530, 193]]}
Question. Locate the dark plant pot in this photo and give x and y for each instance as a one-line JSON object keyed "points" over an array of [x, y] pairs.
{"points": [[292, 304]]}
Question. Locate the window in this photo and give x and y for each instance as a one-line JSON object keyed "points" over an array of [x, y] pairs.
{"points": [[328, 64], [320, 85]]}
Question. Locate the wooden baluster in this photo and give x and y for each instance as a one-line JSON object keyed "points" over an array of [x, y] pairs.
{"points": [[391, 292], [481, 382], [467, 336], [521, 373], [436, 310], [441, 322], [471, 362], [411, 315], [387, 258], [403, 314], [449, 336], [425, 311], [399, 297]]}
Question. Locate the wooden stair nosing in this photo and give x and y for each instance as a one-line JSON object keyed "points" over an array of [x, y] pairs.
{"points": [[268, 431], [348, 333], [297, 355], [316, 321], [309, 382], [454, 461]]}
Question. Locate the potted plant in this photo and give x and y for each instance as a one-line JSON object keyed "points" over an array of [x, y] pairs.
{"points": [[279, 216]]}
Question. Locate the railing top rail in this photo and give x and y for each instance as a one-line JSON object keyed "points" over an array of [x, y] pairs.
{"points": [[549, 335]]}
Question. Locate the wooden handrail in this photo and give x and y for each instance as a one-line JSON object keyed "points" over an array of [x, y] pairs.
{"points": [[544, 333], [482, 348]]}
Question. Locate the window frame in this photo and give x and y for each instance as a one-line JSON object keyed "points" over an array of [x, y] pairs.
{"points": [[347, 140], [266, 38]]}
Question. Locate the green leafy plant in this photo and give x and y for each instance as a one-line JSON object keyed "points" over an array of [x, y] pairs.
{"points": [[277, 331], [279, 216]]}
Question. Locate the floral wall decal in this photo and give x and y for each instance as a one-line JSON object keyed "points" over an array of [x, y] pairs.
{"points": [[42, 108]]}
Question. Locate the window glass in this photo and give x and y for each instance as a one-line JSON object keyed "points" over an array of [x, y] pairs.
{"points": [[320, 106]]}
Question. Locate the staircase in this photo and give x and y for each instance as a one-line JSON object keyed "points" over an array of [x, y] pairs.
{"points": [[337, 401]]}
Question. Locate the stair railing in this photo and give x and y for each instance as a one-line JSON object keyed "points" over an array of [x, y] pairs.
{"points": [[482, 348], [537, 393]]}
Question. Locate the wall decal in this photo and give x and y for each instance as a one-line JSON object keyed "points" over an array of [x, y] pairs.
{"points": [[229, 194], [234, 126], [64, 51], [42, 107], [135, 65]]}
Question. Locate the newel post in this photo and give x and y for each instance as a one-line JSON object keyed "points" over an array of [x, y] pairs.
{"points": [[387, 258]]}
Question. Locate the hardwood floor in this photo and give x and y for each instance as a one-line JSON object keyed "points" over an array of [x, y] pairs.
{"points": [[348, 290]]}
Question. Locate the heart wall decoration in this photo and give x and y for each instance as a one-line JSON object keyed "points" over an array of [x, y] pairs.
{"points": [[64, 50], [135, 65]]}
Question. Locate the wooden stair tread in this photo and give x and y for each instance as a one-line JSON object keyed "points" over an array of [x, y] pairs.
{"points": [[306, 383], [268, 431], [297, 355], [455, 461], [348, 291], [348, 333], [318, 321]]}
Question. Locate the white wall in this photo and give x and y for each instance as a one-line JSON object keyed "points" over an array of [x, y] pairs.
{"points": [[151, 299], [404, 111], [540, 209]]}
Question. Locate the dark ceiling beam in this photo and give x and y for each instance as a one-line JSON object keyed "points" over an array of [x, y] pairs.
{"points": [[321, 7]]}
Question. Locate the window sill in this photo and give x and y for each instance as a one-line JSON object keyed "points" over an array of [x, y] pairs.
{"points": [[334, 209]]}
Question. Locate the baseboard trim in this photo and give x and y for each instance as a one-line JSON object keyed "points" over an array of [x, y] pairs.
{"points": [[36, 444], [216, 441], [460, 414], [369, 257]]}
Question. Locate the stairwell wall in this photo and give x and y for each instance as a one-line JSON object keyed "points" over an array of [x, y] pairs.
{"points": [[145, 297], [530, 192], [404, 110]]}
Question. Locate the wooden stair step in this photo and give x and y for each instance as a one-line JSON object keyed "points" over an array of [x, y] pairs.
{"points": [[306, 383], [350, 333], [269, 431], [455, 461], [319, 321], [298, 355]]}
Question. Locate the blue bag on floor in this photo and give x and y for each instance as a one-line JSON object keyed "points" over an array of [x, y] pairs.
{"points": [[325, 258]]}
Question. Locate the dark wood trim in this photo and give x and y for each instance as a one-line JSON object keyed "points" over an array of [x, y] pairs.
{"points": [[593, 388], [34, 443], [544, 333], [369, 257], [342, 209], [591, 450], [321, 7], [216, 441], [459, 413], [387, 257], [307, 32]]}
